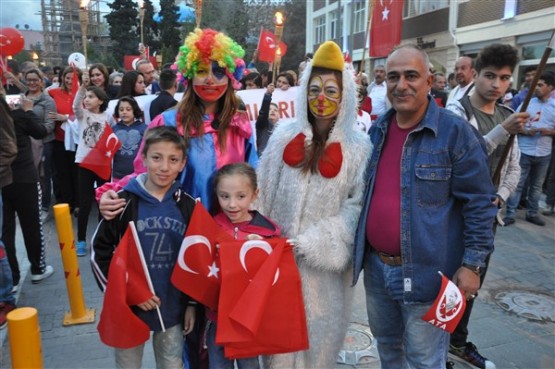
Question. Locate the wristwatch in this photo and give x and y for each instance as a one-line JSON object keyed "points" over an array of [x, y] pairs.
{"points": [[474, 268]]}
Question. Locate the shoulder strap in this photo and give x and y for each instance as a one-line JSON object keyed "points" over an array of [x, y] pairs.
{"points": [[465, 102]]}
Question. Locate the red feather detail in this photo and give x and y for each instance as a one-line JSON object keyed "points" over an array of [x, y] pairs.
{"points": [[330, 163], [293, 154]]}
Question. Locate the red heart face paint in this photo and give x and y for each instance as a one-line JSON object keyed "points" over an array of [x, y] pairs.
{"points": [[324, 96], [210, 82]]}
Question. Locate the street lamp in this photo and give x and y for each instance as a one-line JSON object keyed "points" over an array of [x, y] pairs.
{"points": [[84, 20], [142, 19], [279, 20]]}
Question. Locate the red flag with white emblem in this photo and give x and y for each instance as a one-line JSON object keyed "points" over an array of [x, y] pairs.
{"points": [[197, 271], [261, 310], [127, 285], [448, 308], [385, 31], [99, 159], [267, 46]]}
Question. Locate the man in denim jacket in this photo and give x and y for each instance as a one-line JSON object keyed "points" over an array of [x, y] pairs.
{"points": [[428, 207]]}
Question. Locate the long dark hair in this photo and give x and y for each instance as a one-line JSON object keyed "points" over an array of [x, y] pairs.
{"points": [[102, 68], [128, 82], [191, 112]]}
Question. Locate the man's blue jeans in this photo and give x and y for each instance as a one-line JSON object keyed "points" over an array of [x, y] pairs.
{"points": [[6, 283], [404, 339], [535, 168]]}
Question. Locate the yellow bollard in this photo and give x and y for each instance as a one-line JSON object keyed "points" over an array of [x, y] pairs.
{"points": [[24, 334], [79, 314]]}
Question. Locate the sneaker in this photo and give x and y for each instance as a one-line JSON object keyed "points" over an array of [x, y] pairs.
{"points": [[508, 221], [81, 248], [76, 212], [549, 211], [536, 220], [37, 278], [15, 288], [469, 355], [5, 308], [449, 365]]}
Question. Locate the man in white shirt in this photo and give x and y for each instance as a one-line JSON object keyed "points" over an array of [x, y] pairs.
{"points": [[464, 74], [377, 91]]}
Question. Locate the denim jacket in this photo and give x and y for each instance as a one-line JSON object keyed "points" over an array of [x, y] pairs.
{"points": [[446, 201]]}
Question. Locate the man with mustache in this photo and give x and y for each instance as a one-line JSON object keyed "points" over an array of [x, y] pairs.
{"points": [[428, 207], [464, 75]]}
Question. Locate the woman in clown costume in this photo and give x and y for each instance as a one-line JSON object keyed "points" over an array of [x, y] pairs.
{"points": [[311, 180], [207, 116]]}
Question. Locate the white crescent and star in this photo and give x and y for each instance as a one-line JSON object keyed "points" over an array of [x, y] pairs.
{"points": [[190, 241], [385, 12], [271, 42], [256, 244], [110, 137]]}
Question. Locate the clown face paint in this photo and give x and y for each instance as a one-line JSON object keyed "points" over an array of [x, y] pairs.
{"points": [[210, 82], [324, 96]]}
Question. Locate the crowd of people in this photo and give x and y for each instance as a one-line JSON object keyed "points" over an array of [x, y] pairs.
{"points": [[396, 177]]}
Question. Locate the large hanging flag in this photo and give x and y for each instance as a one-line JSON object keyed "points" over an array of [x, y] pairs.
{"points": [[261, 308], [448, 308], [197, 271], [267, 46], [127, 285], [99, 159], [385, 31]]}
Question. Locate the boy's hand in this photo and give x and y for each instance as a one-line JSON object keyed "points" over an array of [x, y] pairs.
{"points": [[110, 205], [189, 320], [150, 304]]}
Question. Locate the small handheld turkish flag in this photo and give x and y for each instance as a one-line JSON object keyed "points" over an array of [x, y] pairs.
{"points": [[267, 47], [99, 159], [448, 308]]}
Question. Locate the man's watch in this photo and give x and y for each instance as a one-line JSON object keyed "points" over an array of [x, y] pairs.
{"points": [[474, 268]]}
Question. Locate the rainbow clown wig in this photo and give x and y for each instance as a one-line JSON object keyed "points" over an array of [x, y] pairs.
{"points": [[205, 46]]}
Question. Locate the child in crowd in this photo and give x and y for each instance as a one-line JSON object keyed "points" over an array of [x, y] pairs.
{"points": [[236, 189], [130, 130], [92, 121], [150, 196]]}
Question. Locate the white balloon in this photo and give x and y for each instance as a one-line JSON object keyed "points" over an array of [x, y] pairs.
{"points": [[78, 60]]}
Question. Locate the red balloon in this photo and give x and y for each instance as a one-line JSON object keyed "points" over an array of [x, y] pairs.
{"points": [[11, 41]]}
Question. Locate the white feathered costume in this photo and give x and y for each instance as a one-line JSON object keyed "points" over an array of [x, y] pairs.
{"points": [[321, 214]]}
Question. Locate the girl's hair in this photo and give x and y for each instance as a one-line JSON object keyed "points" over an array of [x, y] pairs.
{"points": [[128, 82], [101, 94], [191, 112], [316, 149], [164, 134], [137, 112], [102, 68], [66, 71], [244, 169], [288, 77]]}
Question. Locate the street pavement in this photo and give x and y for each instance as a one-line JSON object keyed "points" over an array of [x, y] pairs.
{"points": [[513, 322]]}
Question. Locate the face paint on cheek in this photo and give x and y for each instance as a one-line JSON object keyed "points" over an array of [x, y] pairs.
{"points": [[210, 93], [323, 107]]}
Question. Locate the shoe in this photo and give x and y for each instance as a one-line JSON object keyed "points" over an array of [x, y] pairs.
{"points": [[549, 211], [15, 288], [469, 354], [81, 248], [449, 365], [5, 308], [37, 278], [508, 221], [76, 212], [536, 220]]}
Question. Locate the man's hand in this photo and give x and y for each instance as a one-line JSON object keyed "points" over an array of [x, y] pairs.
{"points": [[514, 124], [270, 89], [110, 205], [467, 281], [189, 320], [150, 304]]}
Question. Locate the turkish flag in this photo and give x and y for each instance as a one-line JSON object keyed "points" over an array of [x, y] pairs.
{"points": [[197, 271], [448, 308], [267, 46], [385, 31], [99, 159], [127, 285], [261, 310], [129, 61]]}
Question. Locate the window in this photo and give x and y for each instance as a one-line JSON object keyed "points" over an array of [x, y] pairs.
{"points": [[534, 51], [414, 8], [320, 30], [359, 18], [333, 25]]}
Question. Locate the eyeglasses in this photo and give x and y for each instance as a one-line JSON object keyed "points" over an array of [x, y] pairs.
{"points": [[32, 80]]}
